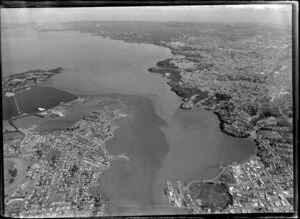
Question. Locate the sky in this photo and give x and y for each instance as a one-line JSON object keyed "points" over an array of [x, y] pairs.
{"points": [[258, 13]]}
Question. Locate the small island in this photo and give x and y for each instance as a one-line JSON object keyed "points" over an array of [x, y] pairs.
{"points": [[24, 81]]}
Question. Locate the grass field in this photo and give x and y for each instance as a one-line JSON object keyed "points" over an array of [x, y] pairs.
{"points": [[214, 196], [21, 166]]}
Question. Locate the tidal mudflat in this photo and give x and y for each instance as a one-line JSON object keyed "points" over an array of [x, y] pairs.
{"points": [[128, 184], [136, 186]]}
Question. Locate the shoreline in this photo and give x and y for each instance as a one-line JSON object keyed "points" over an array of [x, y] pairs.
{"points": [[164, 67], [111, 157], [174, 87], [173, 79], [237, 130], [174, 82], [37, 113], [223, 168]]}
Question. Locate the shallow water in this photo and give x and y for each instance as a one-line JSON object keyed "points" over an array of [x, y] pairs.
{"points": [[29, 101], [162, 141], [9, 108], [140, 138]]}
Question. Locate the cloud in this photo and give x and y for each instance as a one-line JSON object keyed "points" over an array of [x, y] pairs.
{"points": [[256, 13], [260, 6]]}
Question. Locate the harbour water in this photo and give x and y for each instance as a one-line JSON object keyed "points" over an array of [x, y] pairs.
{"points": [[162, 141]]}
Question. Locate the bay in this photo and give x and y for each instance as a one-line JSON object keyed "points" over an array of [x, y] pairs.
{"points": [[162, 141]]}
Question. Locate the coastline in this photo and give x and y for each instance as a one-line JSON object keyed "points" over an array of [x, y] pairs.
{"points": [[213, 180], [131, 183], [177, 91], [187, 97], [37, 113], [164, 67], [189, 101], [121, 157]]}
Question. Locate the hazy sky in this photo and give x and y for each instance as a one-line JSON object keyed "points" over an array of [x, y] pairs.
{"points": [[273, 14]]}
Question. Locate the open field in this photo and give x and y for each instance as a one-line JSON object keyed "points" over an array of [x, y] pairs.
{"points": [[214, 196]]}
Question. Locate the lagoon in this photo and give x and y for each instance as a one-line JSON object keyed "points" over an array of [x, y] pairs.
{"points": [[9, 108], [29, 101]]}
